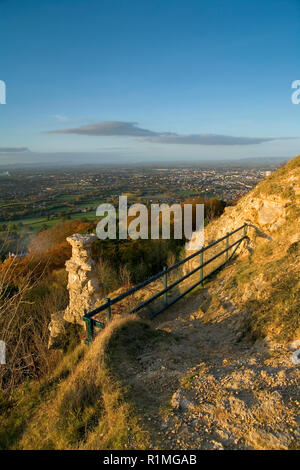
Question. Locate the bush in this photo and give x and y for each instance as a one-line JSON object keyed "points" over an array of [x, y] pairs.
{"points": [[25, 313]]}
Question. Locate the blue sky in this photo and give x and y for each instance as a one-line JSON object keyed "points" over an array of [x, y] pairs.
{"points": [[161, 75]]}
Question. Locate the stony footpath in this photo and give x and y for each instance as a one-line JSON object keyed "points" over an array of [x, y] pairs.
{"points": [[209, 387]]}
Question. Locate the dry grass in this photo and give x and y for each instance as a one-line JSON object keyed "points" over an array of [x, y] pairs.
{"points": [[18, 408], [273, 183], [266, 285], [86, 405]]}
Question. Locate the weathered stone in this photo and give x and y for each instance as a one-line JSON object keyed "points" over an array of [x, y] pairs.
{"points": [[83, 282], [179, 401], [57, 330], [270, 213]]}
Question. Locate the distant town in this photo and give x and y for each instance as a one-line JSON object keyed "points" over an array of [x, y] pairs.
{"points": [[37, 199]]}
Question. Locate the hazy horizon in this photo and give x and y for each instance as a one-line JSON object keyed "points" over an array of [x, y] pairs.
{"points": [[60, 160]]}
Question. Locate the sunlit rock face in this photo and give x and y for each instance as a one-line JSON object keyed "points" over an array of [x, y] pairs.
{"points": [[83, 281], [268, 209]]}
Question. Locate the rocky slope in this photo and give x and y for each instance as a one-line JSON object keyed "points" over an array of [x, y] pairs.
{"points": [[271, 205]]}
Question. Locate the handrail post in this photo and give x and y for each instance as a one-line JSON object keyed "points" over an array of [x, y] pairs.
{"points": [[108, 309], [245, 229], [201, 268], [89, 329], [227, 245], [165, 284]]}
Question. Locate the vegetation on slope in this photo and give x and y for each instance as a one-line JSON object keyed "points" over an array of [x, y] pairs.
{"points": [[266, 283], [31, 288], [273, 184], [266, 286], [35, 286], [85, 403]]}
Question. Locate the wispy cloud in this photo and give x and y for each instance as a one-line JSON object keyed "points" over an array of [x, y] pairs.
{"points": [[110, 128], [13, 149], [131, 129], [60, 117], [208, 139]]}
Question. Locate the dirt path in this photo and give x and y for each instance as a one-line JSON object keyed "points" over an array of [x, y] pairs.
{"points": [[209, 388]]}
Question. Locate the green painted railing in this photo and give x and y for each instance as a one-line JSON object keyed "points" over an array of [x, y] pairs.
{"points": [[91, 323]]}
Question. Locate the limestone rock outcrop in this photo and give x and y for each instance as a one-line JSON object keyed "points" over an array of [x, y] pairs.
{"points": [[83, 282], [265, 209], [83, 285]]}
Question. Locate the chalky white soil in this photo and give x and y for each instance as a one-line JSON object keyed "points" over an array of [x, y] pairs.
{"points": [[209, 387]]}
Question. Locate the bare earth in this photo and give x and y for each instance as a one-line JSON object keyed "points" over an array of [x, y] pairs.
{"points": [[209, 387]]}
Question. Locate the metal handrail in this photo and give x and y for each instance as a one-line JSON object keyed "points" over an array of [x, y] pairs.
{"points": [[91, 323]]}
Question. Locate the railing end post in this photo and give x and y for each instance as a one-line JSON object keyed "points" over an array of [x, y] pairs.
{"points": [[89, 329], [201, 267], [108, 309], [227, 245], [165, 268]]}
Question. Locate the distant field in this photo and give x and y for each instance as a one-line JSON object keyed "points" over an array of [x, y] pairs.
{"points": [[38, 222], [59, 209]]}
